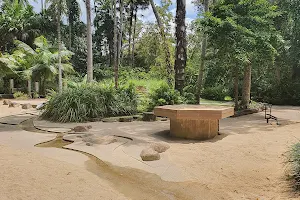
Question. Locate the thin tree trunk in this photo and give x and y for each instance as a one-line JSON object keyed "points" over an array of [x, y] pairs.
{"points": [[59, 48], [29, 87], [130, 30], [133, 37], [202, 62], [42, 6], [236, 89], [181, 56], [246, 86], [165, 44], [115, 45], [121, 33], [89, 42]]}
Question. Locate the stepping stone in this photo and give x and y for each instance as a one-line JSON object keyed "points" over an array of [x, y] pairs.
{"points": [[6, 102], [149, 155], [13, 105], [160, 147], [149, 116], [26, 106]]}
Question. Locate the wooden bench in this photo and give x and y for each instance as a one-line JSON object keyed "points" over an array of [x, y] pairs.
{"points": [[194, 121]]}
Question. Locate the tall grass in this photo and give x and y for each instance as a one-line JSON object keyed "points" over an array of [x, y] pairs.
{"points": [[88, 101], [293, 165]]}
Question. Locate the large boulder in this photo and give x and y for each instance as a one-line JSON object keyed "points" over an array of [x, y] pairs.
{"points": [[13, 105], [6, 102], [149, 155], [160, 147], [26, 106]]}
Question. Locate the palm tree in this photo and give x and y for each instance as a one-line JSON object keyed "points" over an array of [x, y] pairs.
{"points": [[89, 42], [181, 55]]}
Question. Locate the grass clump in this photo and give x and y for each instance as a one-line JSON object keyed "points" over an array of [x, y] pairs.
{"points": [[20, 96], [293, 165], [80, 104]]}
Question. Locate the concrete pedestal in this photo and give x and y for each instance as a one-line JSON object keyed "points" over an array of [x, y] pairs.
{"points": [[194, 129]]}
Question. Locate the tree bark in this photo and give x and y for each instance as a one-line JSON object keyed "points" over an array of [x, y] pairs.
{"points": [[236, 89], [29, 87], [59, 47], [130, 29], [202, 62], [89, 42], [180, 56], [133, 37], [246, 86], [165, 44], [121, 33], [115, 45]]}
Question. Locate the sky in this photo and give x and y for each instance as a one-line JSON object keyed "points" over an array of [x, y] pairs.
{"points": [[144, 15]]}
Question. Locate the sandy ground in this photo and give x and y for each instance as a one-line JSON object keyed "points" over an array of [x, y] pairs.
{"points": [[245, 162]]}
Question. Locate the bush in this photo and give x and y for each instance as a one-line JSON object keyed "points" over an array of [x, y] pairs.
{"points": [[214, 93], [20, 95], [164, 95], [88, 101], [293, 165]]}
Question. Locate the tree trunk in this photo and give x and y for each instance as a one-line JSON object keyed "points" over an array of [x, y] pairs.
{"points": [[133, 37], [202, 62], [165, 45], [89, 42], [236, 89], [246, 86], [115, 45], [29, 87], [130, 30], [121, 33], [42, 6], [181, 56], [59, 47]]}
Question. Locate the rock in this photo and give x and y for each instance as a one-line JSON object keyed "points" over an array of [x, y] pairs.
{"points": [[40, 106], [149, 116], [126, 119], [160, 147], [137, 117], [81, 128], [6, 102], [89, 144], [13, 105], [149, 155], [99, 119], [99, 140], [26, 106]]}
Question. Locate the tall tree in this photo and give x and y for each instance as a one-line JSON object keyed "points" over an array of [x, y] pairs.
{"points": [[116, 68], [59, 12], [165, 44], [89, 42], [121, 32], [202, 61], [181, 46]]}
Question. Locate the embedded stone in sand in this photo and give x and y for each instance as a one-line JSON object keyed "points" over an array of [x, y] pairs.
{"points": [[160, 147], [6, 102], [149, 155], [13, 105], [99, 140], [26, 106], [81, 128]]}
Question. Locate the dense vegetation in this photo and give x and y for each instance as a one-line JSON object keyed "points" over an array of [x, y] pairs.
{"points": [[293, 165], [234, 49]]}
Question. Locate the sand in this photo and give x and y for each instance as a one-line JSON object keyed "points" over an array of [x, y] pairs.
{"points": [[245, 162]]}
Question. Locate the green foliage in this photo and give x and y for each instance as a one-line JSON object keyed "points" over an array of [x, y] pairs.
{"points": [[217, 93], [293, 165], [88, 101], [164, 95], [20, 95]]}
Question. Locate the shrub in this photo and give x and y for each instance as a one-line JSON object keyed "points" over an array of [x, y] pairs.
{"points": [[164, 95], [20, 95], [214, 93], [293, 165], [88, 101]]}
